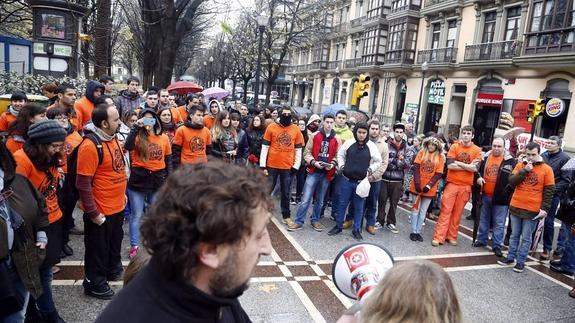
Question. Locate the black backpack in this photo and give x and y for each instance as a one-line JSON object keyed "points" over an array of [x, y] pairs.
{"points": [[69, 193]]}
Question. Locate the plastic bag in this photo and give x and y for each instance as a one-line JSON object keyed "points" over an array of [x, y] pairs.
{"points": [[362, 189]]}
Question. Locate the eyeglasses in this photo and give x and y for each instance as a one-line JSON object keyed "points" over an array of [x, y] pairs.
{"points": [[56, 146], [61, 118]]}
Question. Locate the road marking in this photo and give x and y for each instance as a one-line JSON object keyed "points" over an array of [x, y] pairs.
{"points": [[309, 306], [558, 282]]}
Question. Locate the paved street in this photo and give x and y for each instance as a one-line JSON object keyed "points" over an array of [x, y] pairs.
{"points": [[293, 284]]}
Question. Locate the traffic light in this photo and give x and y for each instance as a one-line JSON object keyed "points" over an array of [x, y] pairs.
{"points": [[535, 109], [360, 89], [530, 110]]}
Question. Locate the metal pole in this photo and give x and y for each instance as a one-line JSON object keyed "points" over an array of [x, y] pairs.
{"points": [[533, 128], [258, 67], [419, 102]]}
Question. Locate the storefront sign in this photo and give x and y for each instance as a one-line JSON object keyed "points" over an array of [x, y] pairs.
{"points": [[555, 107], [520, 113], [523, 139], [436, 92], [410, 113], [489, 99]]}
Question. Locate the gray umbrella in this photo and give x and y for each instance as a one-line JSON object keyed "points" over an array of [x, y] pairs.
{"points": [[569, 165]]}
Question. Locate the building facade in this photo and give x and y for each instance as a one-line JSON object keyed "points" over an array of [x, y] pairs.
{"points": [[457, 62]]}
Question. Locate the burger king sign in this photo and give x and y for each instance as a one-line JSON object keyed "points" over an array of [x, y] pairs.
{"points": [[554, 107]]}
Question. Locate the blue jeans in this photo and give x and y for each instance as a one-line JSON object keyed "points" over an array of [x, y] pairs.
{"points": [[520, 240], [371, 203], [418, 217], [19, 288], [562, 238], [492, 213], [315, 183], [334, 193], [284, 176], [45, 302], [568, 258], [347, 195], [138, 202], [548, 229]]}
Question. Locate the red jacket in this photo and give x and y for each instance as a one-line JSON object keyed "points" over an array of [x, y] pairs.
{"points": [[315, 148]]}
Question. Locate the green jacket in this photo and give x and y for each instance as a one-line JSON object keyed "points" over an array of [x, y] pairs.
{"points": [[343, 133], [27, 258]]}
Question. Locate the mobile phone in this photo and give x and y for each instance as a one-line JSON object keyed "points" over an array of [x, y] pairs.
{"points": [[149, 121]]}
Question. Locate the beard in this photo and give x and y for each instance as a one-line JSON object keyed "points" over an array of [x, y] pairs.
{"points": [[224, 282]]}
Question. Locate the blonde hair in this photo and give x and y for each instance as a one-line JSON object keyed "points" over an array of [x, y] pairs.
{"points": [[218, 129], [136, 264], [417, 291]]}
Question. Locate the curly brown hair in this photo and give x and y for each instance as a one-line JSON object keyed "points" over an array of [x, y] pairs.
{"points": [[203, 203]]}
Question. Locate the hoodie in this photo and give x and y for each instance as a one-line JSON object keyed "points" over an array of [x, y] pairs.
{"points": [[343, 133], [358, 159], [85, 105], [127, 101], [209, 118]]}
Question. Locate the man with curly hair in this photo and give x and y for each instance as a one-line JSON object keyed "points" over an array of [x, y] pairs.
{"points": [[205, 238]]}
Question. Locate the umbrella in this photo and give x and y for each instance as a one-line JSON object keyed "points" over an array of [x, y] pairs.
{"points": [[478, 203], [334, 108], [302, 111], [538, 234], [215, 93], [569, 165], [184, 87]]}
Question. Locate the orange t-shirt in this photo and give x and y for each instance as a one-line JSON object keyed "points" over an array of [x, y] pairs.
{"points": [[427, 169], [490, 174], [528, 194], [5, 120], [158, 148], [109, 179], [193, 143], [282, 142], [72, 141], [13, 145], [209, 121], [179, 114], [466, 155], [84, 110], [42, 181]]}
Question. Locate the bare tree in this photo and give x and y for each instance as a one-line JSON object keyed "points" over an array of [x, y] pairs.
{"points": [[15, 18], [102, 46], [243, 51]]}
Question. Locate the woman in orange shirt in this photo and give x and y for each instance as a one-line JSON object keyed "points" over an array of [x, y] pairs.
{"points": [[427, 171], [151, 156], [29, 114], [39, 161]]}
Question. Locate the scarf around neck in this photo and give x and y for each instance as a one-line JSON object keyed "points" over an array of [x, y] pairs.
{"points": [[13, 111]]}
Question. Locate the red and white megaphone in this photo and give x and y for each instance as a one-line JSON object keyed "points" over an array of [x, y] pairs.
{"points": [[358, 268]]}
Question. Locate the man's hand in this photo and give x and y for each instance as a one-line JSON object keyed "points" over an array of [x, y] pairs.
{"points": [[99, 220], [41, 245], [318, 165], [265, 170], [401, 157], [542, 214], [329, 166], [480, 181], [529, 166]]}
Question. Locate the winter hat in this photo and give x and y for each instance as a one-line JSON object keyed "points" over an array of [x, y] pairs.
{"points": [[313, 118], [46, 132], [399, 125], [432, 140]]}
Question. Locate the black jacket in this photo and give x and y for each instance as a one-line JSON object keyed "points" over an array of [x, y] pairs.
{"points": [[396, 167], [151, 297], [556, 162], [567, 210], [503, 191]]}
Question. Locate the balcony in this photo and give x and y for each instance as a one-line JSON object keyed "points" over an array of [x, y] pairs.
{"points": [[399, 57], [332, 65], [492, 51], [319, 65], [437, 55], [434, 6], [341, 28], [357, 22], [371, 60], [352, 63]]}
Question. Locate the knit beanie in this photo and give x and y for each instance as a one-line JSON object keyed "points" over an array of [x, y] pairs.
{"points": [[46, 132]]}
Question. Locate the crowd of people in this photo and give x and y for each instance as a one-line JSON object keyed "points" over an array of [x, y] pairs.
{"points": [[114, 156]]}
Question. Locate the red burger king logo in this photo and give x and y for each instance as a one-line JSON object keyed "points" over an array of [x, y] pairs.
{"points": [[554, 107]]}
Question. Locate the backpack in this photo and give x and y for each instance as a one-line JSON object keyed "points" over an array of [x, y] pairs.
{"points": [[69, 193]]}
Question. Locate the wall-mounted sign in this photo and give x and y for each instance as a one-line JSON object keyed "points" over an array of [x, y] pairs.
{"points": [[555, 107], [489, 99], [436, 92], [59, 50]]}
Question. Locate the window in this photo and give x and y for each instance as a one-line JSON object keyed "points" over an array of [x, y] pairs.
{"points": [[551, 26], [512, 25], [356, 48], [451, 33], [376, 9], [402, 41], [489, 27], [359, 9], [436, 33], [398, 4], [396, 36], [374, 46]]}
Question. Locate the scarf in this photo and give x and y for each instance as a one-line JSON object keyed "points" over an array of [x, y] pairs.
{"points": [[13, 111], [104, 136], [168, 126]]}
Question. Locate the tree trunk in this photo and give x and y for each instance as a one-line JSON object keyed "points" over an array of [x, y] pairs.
{"points": [[102, 35], [245, 86]]}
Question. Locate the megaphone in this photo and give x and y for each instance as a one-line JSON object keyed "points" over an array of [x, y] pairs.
{"points": [[358, 268]]}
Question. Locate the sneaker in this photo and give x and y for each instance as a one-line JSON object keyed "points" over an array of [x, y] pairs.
{"points": [[288, 221], [317, 227], [519, 268], [560, 269], [452, 242], [335, 230], [392, 228], [55, 269], [67, 250], [104, 292], [293, 202], [115, 277], [413, 236], [371, 229], [357, 235], [544, 256], [435, 243], [409, 218], [133, 252], [497, 252], [478, 244], [506, 262], [558, 253], [555, 263], [347, 224], [378, 226], [294, 227]]}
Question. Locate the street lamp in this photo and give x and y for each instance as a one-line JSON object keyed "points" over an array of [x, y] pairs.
{"points": [[205, 72], [424, 68], [262, 21], [211, 60]]}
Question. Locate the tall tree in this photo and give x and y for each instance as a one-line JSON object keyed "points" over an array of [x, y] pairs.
{"points": [[243, 50], [103, 29]]}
